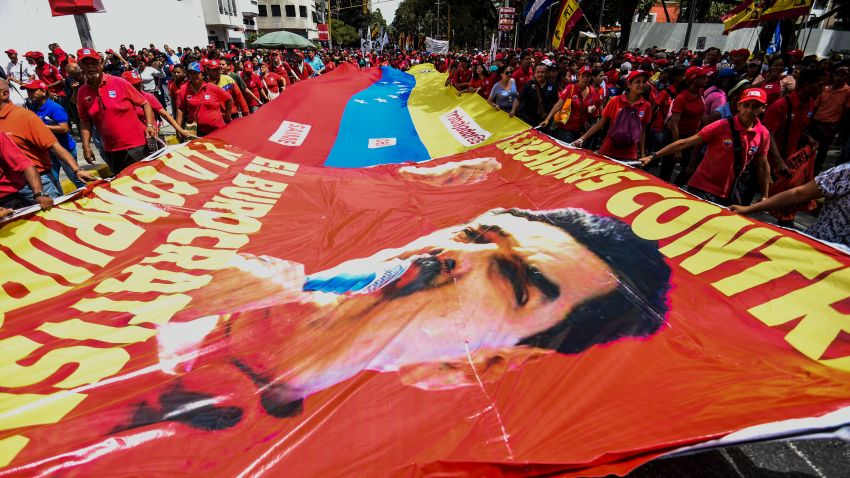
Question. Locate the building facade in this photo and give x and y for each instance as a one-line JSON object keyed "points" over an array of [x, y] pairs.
{"points": [[27, 25], [229, 21], [297, 16]]}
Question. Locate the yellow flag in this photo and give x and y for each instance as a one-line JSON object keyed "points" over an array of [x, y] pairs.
{"points": [[786, 8], [569, 15]]}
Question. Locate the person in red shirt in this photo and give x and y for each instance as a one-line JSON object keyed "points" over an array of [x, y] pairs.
{"points": [[301, 69], [203, 103], [228, 83], [523, 73], [686, 115], [178, 77], [274, 83], [109, 102], [774, 82], [48, 73], [59, 53], [659, 129], [259, 93], [583, 104], [159, 111], [632, 99], [718, 173], [16, 171], [462, 77]]}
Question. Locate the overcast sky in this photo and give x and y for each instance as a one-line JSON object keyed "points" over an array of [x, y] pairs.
{"points": [[387, 8]]}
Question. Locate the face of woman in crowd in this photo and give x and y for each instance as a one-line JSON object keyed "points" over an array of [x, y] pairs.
{"points": [[777, 67], [637, 85]]}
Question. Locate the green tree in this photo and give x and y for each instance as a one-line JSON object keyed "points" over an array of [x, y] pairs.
{"points": [[344, 34], [469, 22]]}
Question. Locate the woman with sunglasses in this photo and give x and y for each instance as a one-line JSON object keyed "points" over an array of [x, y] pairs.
{"points": [[504, 92]]}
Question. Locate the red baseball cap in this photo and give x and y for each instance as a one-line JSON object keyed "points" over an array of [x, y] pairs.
{"points": [[34, 84], [585, 69], [34, 54], [694, 72], [661, 62], [248, 66], [83, 53], [636, 73], [796, 53], [11, 52], [754, 94], [212, 65], [132, 77]]}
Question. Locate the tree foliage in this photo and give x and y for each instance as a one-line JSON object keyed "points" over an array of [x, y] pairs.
{"points": [[471, 21], [344, 34]]}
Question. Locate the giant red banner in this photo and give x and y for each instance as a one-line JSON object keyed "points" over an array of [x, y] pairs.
{"points": [[520, 308]]}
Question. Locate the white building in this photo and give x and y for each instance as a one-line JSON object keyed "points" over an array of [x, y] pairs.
{"points": [[27, 25], [228, 21], [297, 16]]}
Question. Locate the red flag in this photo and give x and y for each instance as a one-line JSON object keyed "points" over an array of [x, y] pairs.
{"points": [[59, 8], [745, 15]]}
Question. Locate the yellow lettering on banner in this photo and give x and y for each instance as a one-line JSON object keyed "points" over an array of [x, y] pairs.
{"points": [[609, 180], [93, 363], [246, 181], [224, 240], [786, 255], [180, 163], [198, 156], [20, 286], [252, 195], [19, 410], [517, 150], [10, 447], [648, 226], [158, 311], [130, 187], [623, 203], [516, 140], [596, 170], [539, 148], [226, 222], [151, 279], [718, 246], [26, 232], [106, 231], [549, 168], [109, 202], [820, 324], [572, 169], [77, 329], [192, 258], [249, 209], [264, 165], [225, 154], [547, 161]]}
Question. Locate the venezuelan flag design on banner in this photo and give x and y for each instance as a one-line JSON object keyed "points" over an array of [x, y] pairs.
{"points": [[355, 118], [746, 15], [780, 9]]}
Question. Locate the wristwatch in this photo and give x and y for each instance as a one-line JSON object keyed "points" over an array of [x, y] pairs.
{"points": [[39, 194]]}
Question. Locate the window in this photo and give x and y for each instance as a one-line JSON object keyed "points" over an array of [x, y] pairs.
{"points": [[302, 11], [275, 10], [263, 10], [290, 10]]}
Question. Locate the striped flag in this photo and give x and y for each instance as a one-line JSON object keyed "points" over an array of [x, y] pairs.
{"points": [[569, 15], [746, 15], [535, 8], [786, 8]]}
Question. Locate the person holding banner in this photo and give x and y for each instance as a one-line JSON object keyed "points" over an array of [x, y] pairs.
{"points": [[575, 106], [628, 116], [504, 92], [733, 145]]}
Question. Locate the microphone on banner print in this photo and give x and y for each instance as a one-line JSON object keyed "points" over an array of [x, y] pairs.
{"points": [[352, 278]]}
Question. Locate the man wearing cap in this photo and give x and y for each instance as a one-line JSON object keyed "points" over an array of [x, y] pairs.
{"points": [[686, 114], [203, 103], [229, 85], [56, 119], [20, 72], [49, 74], [36, 141], [315, 62], [109, 102], [725, 164], [571, 122], [257, 93], [161, 113]]}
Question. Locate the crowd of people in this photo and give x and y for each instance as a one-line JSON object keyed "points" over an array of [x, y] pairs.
{"points": [[730, 127]]}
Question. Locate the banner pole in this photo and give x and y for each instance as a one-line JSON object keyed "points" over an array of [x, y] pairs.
{"points": [[84, 30]]}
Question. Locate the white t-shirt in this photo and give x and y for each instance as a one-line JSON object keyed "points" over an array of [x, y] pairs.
{"points": [[20, 71], [148, 76]]}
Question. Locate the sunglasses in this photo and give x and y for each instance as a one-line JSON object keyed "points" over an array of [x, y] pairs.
{"points": [[507, 72]]}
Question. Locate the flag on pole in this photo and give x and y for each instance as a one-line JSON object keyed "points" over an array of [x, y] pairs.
{"points": [[494, 47], [569, 15], [535, 8], [73, 7], [786, 8], [746, 15], [775, 42]]}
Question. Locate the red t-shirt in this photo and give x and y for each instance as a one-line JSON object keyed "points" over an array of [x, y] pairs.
{"points": [[205, 106], [610, 113], [13, 163], [273, 82], [173, 89], [776, 121], [715, 174], [155, 105], [112, 108], [487, 86], [773, 90], [521, 77], [50, 74], [662, 102], [461, 77], [691, 107], [578, 107], [254, 84]]}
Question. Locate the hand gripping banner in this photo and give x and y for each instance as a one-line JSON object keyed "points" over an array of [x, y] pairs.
{"points": [[517, 308]]}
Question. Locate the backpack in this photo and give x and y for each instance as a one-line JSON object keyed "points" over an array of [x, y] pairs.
{"points": [[625, 130]]}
